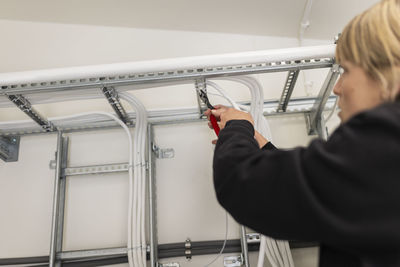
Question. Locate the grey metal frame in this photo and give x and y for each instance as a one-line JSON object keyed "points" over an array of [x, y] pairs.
{"points": [[288, 90], [315, 123], [57, 224], [25, 106], [166, 76], [112, 96], [14, 93], [152, 202]]}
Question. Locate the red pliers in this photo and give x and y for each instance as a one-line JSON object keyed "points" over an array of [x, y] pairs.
{"points": [[203, 96]]}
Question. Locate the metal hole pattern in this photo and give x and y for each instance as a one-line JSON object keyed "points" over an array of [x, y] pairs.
{"points": [[162, 74]]}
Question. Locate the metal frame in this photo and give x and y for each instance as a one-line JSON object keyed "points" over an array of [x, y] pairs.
{"points": [[313, 108], [314, 119], [57, 224], [112, 96], [288, 90], [25, 106]]}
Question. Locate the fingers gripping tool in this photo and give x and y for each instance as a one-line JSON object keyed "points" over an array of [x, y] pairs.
{"points": [[203, 96]]}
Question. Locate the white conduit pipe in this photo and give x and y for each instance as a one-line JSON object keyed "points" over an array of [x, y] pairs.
{"points": [[277, 251], [137, 226], [105, 70]]}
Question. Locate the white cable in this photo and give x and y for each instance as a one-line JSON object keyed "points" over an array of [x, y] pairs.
{"points": [[277, 251], [139, 238], [224, 244], [260, 261], [222, 92]]}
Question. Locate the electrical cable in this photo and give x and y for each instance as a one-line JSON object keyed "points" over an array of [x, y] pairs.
{"points": [[223, 246], [138, 241], [277, 251]]}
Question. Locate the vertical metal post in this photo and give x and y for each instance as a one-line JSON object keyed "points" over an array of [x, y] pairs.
{"points": [[53, 241], [61, 200], [243, 243], [152, 199]]}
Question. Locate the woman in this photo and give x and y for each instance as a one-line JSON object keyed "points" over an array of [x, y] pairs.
{"points": [[345, 192]]}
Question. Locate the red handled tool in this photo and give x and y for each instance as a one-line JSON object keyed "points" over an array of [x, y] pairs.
{"points": [[214, 124], [213, 120]]}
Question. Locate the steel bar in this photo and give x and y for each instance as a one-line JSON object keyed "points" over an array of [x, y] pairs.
{"points": [[23, 104], [288, 90], [166, 250], [112, 96], [296, 106], [95, 169], [152, 198], [61, 201], [167, 77], [53, 241], [243, 244], [314, 117]]}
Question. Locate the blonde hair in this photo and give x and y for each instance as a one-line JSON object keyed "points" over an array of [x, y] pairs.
{"points": [[372, 41]]}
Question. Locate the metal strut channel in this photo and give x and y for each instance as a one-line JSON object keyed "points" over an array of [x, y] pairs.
{"points": [[165, 76], [288, 90], [23, 104], [112, 96], [314, 120]]}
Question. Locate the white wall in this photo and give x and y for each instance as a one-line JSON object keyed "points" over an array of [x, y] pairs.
{"points": [[96, 205]]}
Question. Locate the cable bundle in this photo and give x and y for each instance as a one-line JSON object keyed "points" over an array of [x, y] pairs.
{"points": [[277, 251], [137, 187], [137, 175]]}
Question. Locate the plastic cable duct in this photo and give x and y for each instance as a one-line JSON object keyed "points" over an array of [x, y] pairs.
{"points": [[86, 72]]}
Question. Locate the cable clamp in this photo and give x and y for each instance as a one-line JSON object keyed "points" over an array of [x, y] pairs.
{"points": [[233, 261], [188, 249], [165, 153]]}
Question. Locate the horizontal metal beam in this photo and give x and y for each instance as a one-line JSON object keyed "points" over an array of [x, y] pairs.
{"points": [[167, 76], [164, 117], [166, 250], [95, 169]]}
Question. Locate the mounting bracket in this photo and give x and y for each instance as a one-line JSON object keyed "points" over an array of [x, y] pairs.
{"points": [[9, 148]]}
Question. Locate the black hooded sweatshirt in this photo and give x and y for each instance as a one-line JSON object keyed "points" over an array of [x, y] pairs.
{"points": [[343, 193]]}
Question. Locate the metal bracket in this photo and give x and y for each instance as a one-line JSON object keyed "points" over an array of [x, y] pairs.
{"points": [[23, 104], [200, 85], [165, 153], [233, 261], [170, 264], [188, 249], [253, 238], [113, 98], [288, 90], [313, 119], [9, 148]]}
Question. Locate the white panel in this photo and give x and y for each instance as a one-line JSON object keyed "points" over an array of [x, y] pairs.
{"points": [[26, 190]]}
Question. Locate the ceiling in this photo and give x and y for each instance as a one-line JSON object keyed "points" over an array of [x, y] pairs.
{"points": [[255, 17]]}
